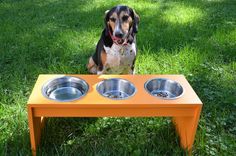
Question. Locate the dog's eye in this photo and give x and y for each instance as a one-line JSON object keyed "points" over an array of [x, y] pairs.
{"points": [[125, 18], [112, 19]]}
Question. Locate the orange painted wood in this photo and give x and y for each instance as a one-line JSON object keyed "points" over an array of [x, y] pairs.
{"points": [[35, 126], [140, 98], [118, 112], [186, 128], [185, 110]]}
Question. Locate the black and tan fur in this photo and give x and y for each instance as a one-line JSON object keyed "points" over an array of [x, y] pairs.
{"points": [[116, 50]]}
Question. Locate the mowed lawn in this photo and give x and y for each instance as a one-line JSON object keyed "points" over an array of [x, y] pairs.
{"points": [[196, 38]]}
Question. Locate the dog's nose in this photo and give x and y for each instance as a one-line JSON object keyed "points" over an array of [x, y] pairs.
{"points": [[119, 34]]}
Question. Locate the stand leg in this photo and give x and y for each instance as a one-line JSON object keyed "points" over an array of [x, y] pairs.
{"points": [[186, 128], [35, 125]]}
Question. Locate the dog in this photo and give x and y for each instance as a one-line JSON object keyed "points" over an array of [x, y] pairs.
{"points": [[116, 50]]}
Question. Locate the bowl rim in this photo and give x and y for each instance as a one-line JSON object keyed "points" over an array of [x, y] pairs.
{"points": [[69, 100], [174, 98], [135, 89]]}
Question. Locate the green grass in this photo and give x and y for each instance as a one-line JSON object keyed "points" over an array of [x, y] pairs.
{"points": [[194, 38]]}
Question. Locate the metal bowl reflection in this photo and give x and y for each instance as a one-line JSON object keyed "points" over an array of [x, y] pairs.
{"points": [[116, 89], [164, 88], [65, 89]]}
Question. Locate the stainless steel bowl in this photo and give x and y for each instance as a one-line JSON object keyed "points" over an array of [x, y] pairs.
{"points": [[164, 88], [116, 89], [65, 89]]}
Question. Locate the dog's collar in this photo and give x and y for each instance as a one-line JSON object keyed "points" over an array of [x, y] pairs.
{"points": [[116, 39]]}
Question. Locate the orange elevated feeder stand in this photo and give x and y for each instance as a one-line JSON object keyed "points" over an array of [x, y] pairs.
{"points": [[184, 110]]}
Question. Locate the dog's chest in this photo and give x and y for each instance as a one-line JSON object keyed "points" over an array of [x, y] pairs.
{"points": [[119, 59]]}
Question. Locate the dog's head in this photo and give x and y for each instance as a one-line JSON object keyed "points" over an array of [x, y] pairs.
{"points": [[121, 21]]}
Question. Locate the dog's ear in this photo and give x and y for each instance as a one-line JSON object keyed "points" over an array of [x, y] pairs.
{"points": [[106, 19], [136, 20]]}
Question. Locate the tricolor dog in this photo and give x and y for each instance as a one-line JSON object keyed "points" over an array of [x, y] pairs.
{"points": [[116, 50]]}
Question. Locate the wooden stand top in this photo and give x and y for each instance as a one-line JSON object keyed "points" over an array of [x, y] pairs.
{"points": [[93, 99]]}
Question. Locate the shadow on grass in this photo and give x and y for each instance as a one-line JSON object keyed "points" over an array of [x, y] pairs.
{"points": [[109, 136]]}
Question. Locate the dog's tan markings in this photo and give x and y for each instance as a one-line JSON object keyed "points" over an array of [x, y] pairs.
{"points": [[122, 13], [103, 57], [112, 21], [126, 21], [104, 63], [92, 67], [125, 27], [112, 25], [130, 22]]}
